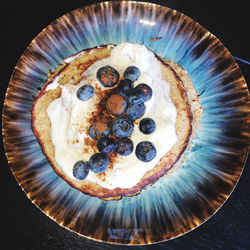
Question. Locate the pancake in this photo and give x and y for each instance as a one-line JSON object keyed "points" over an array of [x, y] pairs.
{"points": [[71, 72]]}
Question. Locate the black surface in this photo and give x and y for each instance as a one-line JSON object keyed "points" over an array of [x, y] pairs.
{"points": [[23, 226]]}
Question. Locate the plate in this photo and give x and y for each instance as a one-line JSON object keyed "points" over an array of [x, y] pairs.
{"points": [[175, 204]]}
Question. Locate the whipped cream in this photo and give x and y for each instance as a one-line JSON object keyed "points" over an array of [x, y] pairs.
{"points": [[53, 85], [73, 57], [69, 119]]}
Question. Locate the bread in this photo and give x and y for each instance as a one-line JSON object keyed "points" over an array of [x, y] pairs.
{"points": [[183, 96]]}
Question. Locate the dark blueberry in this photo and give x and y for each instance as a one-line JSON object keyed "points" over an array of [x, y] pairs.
{"points": [[146, 90], [124, 146], [124, 86], [132, 73], [106, 145], [85, 92], [145, 151], [116, 105], [122, 127], [135, 111], [98, 163], [98, 130], [135, 96], [147, 126], [107, 76], [80, 170]]}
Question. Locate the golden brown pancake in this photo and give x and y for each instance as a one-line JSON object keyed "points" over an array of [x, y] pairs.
{"points": [[183, 96]]}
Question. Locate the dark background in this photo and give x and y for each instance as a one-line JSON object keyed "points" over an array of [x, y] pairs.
{"points": [[23, 226]]}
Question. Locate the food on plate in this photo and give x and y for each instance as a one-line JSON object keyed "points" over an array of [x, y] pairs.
{"points": [[112, 120]]}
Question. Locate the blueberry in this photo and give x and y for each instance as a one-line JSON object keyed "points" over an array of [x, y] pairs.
{"points": [[99, 129], [135, 111], [116, 105], [80, 170], [145, 151], [135, 96], [98, 163], [124, 86], [132, 73], [146, 90], [107, 76], [106, 145], [122, 127], [85, 92], [124, 146], [147, 126]]}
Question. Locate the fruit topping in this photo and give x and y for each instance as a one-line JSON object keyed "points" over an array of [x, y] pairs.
{"points": [[122, 127], [135, 96], [99, 129], [106, 145], [116, 105], [132, 73], [146, 90], [147, 126], [98, 163], [135, 111], [85, 92], [124, 87], [145, 151], [107, 76], [129, 101], [124, 146], [80, 170]]}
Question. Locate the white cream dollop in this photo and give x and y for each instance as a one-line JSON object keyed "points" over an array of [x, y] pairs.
{"points": [[69, 116]]}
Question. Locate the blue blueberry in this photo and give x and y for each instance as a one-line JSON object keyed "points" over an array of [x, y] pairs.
{"points": [[124, 86], [98, 163], [122, 127], [145, 151], [85, 92], [147, 126], [80, 170], [132, 73], [124, 146], [107, 76], [135, 96], [146, 90], [135, 111], [98, 129], [106, 145]]}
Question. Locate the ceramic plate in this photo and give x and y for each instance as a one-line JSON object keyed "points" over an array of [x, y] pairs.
{"points": [[176, 203]]}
